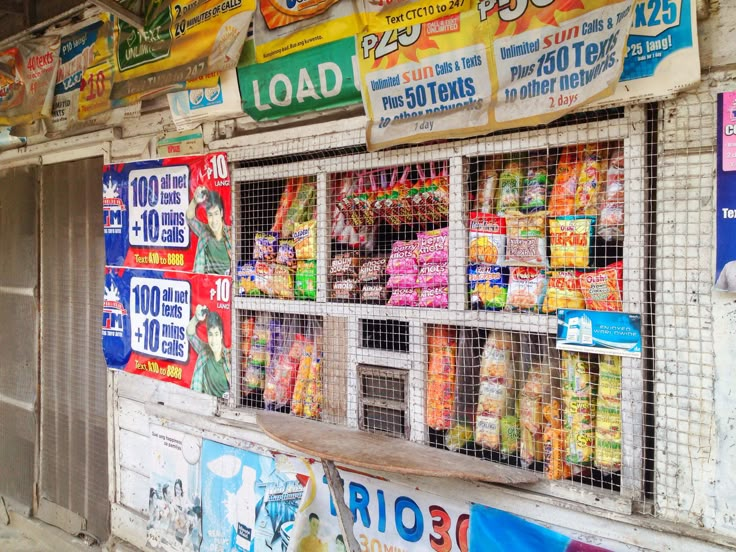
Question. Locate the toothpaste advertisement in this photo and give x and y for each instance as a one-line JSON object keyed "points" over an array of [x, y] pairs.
{"points": [[726, 193], [318, 78], [283, 27], [490, 68], [169, 214], [250, 500], [169, 326]]}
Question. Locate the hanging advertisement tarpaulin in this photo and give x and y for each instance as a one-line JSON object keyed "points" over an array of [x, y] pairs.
{"points": [[726, 193], [315, 79], [169, 214], [662, 53], [27, 77], [490, 68], [283, 27], [182, 41], [190, 108], [171, 326], [379, 15]]}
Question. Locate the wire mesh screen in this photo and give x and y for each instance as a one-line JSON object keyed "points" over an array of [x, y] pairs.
{"points": [[429, 280]]}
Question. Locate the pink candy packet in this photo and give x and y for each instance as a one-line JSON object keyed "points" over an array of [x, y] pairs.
{"points": [[404, 298], [402, 281], [434, 298], [433, 275], [433, 246], [403, 259]]}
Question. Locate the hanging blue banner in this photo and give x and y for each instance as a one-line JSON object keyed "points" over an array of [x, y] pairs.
{"points": [[611, 333]]}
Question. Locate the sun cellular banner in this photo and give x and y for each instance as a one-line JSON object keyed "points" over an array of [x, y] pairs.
{"points": [[169, 214], [500, 66]]}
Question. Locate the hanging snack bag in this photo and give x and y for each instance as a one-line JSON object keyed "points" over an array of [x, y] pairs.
{"points": [[525, 239], [305, 240], [402, 281], [563, 292], [586, 193], [602, 289], [403, 259], [488, 287], [305, 281], [562, 199], [374, 293], [372, 270], [531, 446], [259, 356], [555, 466], [247, 280], [487, 239], [578, 423], [433, 246], [265, 246], [287, 197], [487, 182], [286, 254], [496, 359], [509, 187], [570, 241], [301, 208], [344, 266], [302, 379], [611, 221], [282, 282], [313, 393], [432, 276], [404, 298], [247, 327], [280, 379], [575, 372], [509, 435], [263, 278], [346, 289], [535, 186], [435, 298], [527, 286], [440, 377]]}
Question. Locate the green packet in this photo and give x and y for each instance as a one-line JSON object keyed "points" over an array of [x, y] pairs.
{"points": [[305, 283]]}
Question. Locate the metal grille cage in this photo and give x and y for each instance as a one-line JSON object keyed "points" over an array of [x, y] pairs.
{"points": [[415, 292]]}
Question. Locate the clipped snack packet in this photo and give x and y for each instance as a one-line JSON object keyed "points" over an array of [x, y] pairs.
{"points": [[347, 289], [488, 287], [535, 186], [575, 372], [433, 246], [402, 281], [570, 240], [435, 298], [374, 293], [404, 298], [305, 240], [286, 254], [586, 193], [509, 435], [458, 436], [488, 431], [301, 208], [525, 239], [282, 282], [611, 221], [563, 291], [562, 199], [509, 187], [263, 278], [265, 246], [287, 196], [403, 259], [441, 375], [305, 281], [344, 266], [487, 182], [373, 270], [247, 280], [432, 276], [487, 239], [602, 289], [526, 290]]}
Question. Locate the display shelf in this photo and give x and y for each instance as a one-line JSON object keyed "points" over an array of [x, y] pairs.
{"points": [[502, 320], [379, 452]]}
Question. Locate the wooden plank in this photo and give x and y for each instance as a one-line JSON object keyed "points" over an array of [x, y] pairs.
{"points": [[379, 452], [145, 389], [128, 525], [334, 378], [134, 489], [133, 416], [135, 452]]}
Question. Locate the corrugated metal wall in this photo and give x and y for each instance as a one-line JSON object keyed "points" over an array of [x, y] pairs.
{"points": [[19, 334], [73, 374]]}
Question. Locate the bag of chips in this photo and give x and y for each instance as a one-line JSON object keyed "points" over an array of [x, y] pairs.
{"points": [[287, 197], [563, 292], [346, 289], [305, 240], [441, 348], [586, 193], [509, 187], [553, 438], [435, 298], [432, 276], [562, 199], [488, 287], [402, 281], [403, 259], [263, 278], [487, 181], [374, 293], [265, 246], [286, 255], [527, 286], [373, 270], [282, 283], [611, 221], [535, 186], [302, 207], [404, 298], [570, 241], [433, 246], [487, 239], [345, 266], [601, 289], [525, 239], [247, 280], [305, 281]]}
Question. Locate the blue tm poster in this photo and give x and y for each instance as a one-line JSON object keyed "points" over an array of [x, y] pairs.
{"points": [[726, 194], [249, 500]]}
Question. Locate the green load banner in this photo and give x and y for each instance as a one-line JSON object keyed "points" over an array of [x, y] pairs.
{"points": [[316, 79]]}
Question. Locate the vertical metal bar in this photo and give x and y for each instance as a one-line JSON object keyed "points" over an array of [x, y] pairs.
{"points": [[323, 233], [457, 234], [417, 370], [352, 371]]}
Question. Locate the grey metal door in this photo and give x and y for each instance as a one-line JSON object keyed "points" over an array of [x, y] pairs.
{"points": [[73, 490], [18, 335]]}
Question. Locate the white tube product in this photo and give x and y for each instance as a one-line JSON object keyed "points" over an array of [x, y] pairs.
{"points": [[246, 509]]}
